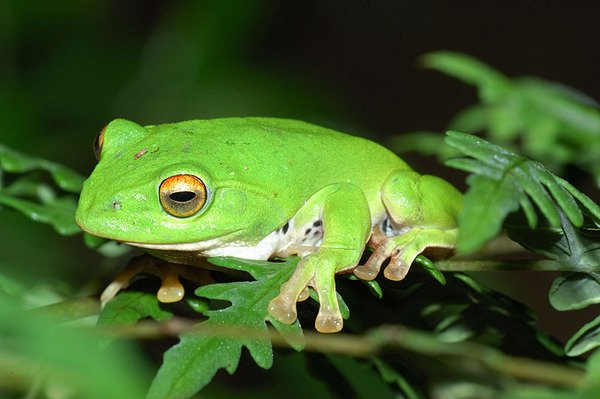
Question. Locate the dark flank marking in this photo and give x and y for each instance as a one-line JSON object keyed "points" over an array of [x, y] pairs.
{"points": [[386, 225], [317, 223], [307, 232], [316, 233], [285, 228], [116, 205]]}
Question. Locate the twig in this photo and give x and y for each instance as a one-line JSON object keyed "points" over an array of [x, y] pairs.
{"points": [[456, 265], [383, 339]]}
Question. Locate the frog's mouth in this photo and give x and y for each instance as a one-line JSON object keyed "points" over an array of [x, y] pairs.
{"points": [[187, 246], [195, 246]]}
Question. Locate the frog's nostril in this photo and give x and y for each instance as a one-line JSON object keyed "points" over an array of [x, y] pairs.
{"points": [[116, 205]]}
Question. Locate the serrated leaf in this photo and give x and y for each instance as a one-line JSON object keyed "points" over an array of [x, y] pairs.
{"points": [[575, 291], [500, 183], [130, 306], [577, 247], [584, 340], [192, 363]]}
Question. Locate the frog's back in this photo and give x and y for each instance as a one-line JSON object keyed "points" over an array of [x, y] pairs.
{"points": [[296, 157]]}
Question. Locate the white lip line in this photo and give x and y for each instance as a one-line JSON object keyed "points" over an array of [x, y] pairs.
{"points": [[184, 246]]}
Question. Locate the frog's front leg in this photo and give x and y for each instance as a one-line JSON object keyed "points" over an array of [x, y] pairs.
{"points": [[422, 212], [171, 289], [344, 212]]}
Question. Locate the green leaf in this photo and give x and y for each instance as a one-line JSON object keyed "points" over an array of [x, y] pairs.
{"points": [[486, 204], [584, 340], [550, 122], [198, 305], [130, 306], [30, 195], [59, 213], [577, 247], [392, 376], [37, 350], [192, 363], [360, 378], [464, 67], [500, 183], [423, 142], [430, 268], [16, 162], [575, 291], [372, 285]]}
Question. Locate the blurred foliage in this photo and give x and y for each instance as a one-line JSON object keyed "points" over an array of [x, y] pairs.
{"points": [[42, 356], [33, 197], [69, 67], [546, 121]]}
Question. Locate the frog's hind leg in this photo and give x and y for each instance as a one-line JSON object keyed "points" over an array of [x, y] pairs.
{"points": [[421, 215], [171, 289]]}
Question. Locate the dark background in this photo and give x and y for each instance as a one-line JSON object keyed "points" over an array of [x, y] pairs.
{"points": [[67, 68]]}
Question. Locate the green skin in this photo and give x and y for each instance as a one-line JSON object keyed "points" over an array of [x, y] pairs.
{"points": [[274, 187]]}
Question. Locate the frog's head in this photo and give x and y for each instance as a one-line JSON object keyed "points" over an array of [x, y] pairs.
{"points": [[150, 187]]}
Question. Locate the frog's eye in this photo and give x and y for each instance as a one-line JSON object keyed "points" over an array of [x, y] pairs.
{"points": [[182, 195], [98, 143]]}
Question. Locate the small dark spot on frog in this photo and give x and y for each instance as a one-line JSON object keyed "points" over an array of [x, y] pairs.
{"points": [[317, 233], [317, 223], [116, 205], [140, 153], [307, 232], [285, 228]]}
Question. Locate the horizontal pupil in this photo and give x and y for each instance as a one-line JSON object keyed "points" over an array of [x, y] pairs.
{"points": [[182, 196]]}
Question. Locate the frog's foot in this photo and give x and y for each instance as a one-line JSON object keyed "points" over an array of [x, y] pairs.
{"points": [[317, 271], [171, 289], [402, 251]]}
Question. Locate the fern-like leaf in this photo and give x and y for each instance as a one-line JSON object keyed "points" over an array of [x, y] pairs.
{"points": [[34, 198], [501, 182], [191, 364], [549, 121]]}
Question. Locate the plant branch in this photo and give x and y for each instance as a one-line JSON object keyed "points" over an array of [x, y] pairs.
{"points": [[460, 265], [381, 339]]}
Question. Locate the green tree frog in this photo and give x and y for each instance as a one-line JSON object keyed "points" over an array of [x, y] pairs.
{"points": [[258, 188]]}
